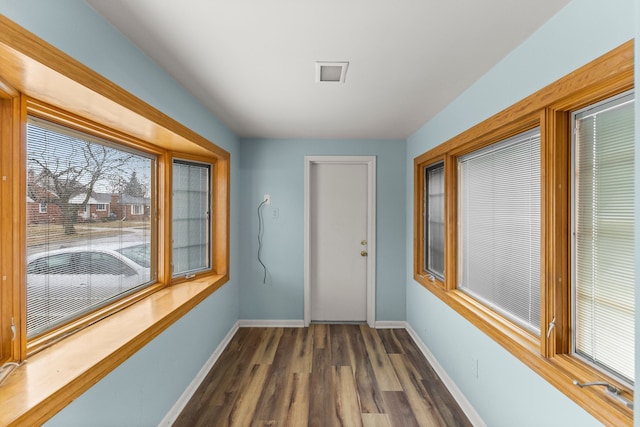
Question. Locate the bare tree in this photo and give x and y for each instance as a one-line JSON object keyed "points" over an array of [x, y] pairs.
{"points": [[72, 171], [117, 184]]}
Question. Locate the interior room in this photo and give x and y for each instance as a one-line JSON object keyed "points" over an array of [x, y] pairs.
{"points": [[266, 146]]}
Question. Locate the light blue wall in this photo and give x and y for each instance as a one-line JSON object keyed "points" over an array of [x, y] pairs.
{"points": [[506, 392], [143, 389], [276, 167]]}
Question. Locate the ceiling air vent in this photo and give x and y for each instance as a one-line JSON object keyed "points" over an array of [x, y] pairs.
{"points": [[331, 72]]}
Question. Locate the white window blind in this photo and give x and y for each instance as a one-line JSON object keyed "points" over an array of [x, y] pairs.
{"points": [[434, 221], [499, 227], [75, 262], [191, 224], [603, 247]]}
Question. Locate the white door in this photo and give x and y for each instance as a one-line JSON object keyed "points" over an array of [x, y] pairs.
{"points": [[338, 203]]}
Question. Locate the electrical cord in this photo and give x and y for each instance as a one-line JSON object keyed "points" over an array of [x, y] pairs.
{"points": [[260, 233]]}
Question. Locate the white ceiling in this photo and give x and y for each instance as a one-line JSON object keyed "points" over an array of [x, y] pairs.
{"points": [[252, 62]]}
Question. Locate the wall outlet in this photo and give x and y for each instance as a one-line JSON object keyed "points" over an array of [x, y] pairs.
{"points": [[267, 199]]}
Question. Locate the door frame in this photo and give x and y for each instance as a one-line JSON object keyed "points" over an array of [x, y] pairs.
{"points": [[370, 162]]}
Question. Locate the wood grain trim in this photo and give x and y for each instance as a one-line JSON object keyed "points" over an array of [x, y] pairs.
{"points": [[19, 213], [419, 245], [220, 187], [9, 301], [163, 217], [54, 377], [555, 246], [550, 109], [53, 114], [39, 76], [560, 371], [7, 91], [222, 218], [451, 219], [566, 368], [612, 72], [39, 343], [36, 108], [6, 292], [418, 220], [33, 67]]}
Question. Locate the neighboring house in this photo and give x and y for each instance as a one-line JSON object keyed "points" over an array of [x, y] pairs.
{"points": [[42, 212], [98, 206], [41, 206], [134, 208], [43, 209]]}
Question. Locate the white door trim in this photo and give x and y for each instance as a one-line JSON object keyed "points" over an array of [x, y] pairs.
{"points": [[370, 161]]}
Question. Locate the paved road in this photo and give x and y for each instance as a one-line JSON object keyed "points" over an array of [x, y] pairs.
{"points": [[135, 234]]}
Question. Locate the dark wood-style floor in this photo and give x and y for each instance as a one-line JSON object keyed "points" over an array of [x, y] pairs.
{"points": [[324, 376]]}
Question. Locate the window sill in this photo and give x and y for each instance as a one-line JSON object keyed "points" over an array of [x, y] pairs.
{"points": [[560, 371], [52, 378]]}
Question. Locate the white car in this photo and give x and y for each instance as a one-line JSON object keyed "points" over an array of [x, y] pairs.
{"points": [[68, 281]]}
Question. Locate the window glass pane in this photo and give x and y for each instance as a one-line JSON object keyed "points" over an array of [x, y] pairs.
{"points": [[78, 188], [191, 233], [434, 220], [603, 245], [499, 227]]}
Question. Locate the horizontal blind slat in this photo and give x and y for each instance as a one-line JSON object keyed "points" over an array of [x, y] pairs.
{"points": [[77, 259], [604, 236], [499, 190]]}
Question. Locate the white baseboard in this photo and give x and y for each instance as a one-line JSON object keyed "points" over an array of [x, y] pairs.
{"points": [[182, 401], [466, 407], [391, 324], [260, 323]]}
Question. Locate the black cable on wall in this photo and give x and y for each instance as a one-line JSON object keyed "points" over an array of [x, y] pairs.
{"points": [[260, 233]]}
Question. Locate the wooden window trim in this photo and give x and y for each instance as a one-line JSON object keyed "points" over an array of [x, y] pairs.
{"points": [[419, 245], [550, 109], [55, 376], [211, 164], [9, 246], [34, 73]]}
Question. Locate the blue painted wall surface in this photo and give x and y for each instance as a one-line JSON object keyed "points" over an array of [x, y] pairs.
{"points": [[276, 167], [142, 390], [506, 392]]}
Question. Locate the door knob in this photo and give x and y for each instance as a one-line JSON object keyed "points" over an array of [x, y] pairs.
{"points": [[364, 253], [363, 242]]}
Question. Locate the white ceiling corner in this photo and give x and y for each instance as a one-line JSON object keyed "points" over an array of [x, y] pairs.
{"points": [[252, 62]]}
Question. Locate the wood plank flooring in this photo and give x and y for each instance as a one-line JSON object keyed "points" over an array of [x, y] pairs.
{"points": [[322, 376]]}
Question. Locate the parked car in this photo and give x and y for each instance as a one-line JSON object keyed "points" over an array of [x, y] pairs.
{"points": [[63, 282]]}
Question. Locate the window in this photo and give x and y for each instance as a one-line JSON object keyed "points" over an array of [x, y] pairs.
{"points": [[499, 226], [191, 225], [434, 220], [92, 109], [101, 207], [430, 258], [538, 231], [603, 244], [137, 209], [70, 269], [42, 208]]}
